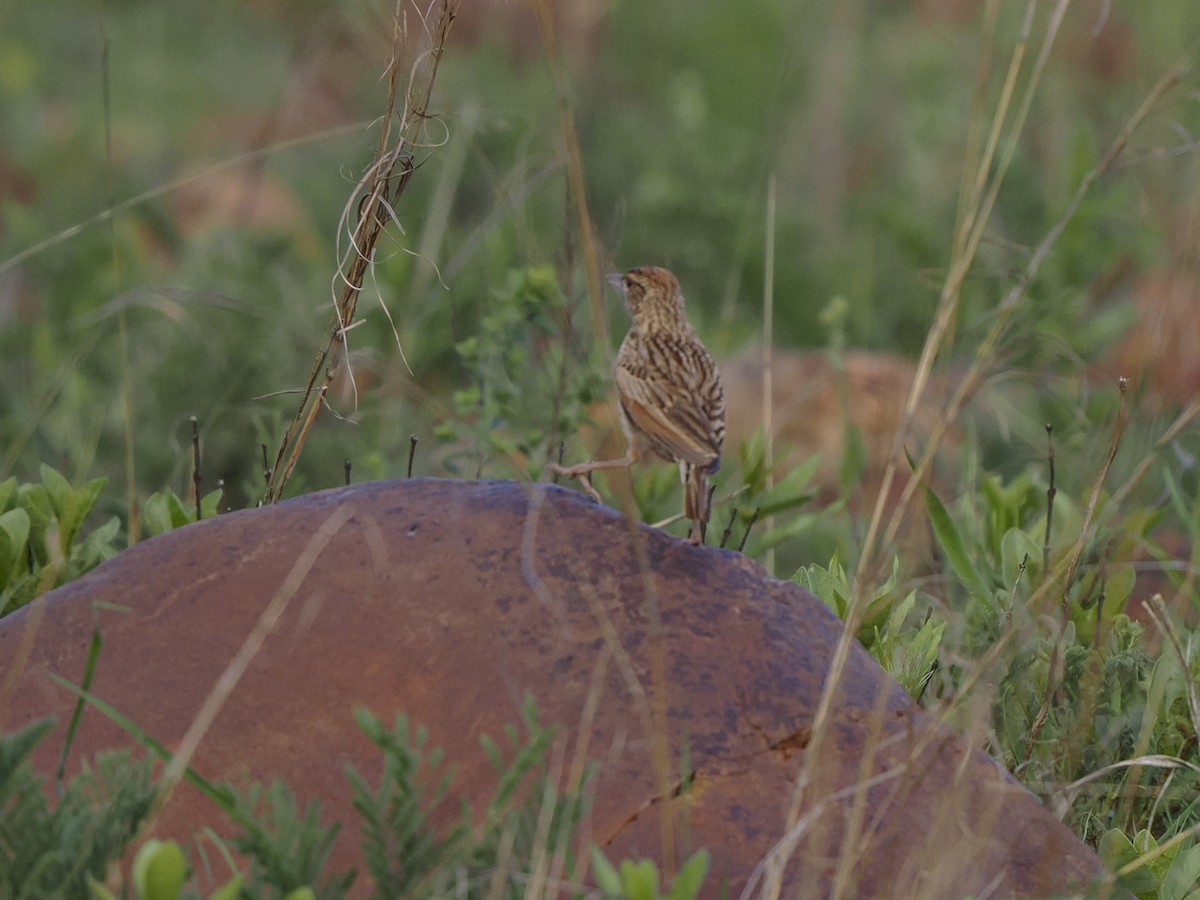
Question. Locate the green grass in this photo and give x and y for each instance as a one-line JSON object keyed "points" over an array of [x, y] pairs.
{"points": [[998, 229]]}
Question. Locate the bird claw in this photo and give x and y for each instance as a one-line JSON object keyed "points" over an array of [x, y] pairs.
{"points": [[578, 471], [591, 491]]}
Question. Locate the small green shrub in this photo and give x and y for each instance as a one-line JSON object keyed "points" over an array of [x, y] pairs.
{"points": [[641, 880], [67, 849], [42, 544], [50, 850]]}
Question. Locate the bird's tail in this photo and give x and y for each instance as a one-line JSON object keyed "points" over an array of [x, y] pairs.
{"points": [[696, 501]]}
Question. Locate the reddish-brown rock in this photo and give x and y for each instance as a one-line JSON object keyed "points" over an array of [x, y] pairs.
{"points": [[448, 601]]}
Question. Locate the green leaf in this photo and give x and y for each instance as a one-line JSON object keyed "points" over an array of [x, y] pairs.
{"points": [[828, 584], [952, 545], [607, 878], [690, 878], [895, 619], [300, 893], [155, 517], [57, 488], [34, 499], [1117, 851], [919, 656], [854, 458], [14, 526], [232, 889], [8, 490], [468, 349], [467, 400], [1017, 546], [791, 491], [97, 890], [81, 503], [100, 545], [1183, 877], [164, 512], [1117, 590], [210, 504], [159, 870], [639, 880]]}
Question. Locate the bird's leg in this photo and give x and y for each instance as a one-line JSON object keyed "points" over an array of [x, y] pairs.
{"points": [[582, 470]]}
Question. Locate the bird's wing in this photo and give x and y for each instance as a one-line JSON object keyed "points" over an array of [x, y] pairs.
{"points": [[668, 414]]}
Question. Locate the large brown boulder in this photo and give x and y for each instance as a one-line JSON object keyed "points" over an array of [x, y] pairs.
{"points": [[449, 600]]}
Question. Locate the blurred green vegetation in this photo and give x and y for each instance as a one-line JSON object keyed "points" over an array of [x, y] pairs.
{"points": [[171, 182], [221, 283]]}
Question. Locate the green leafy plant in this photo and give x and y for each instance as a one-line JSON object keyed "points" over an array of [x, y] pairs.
{"points": [[1167, 871], [42, 544], [164, 511], [68, 850], [766, 490], [407, 857], [529, 383], [906, 651], [1078, 693], [50, 850], [641, 879], [160, 871]]}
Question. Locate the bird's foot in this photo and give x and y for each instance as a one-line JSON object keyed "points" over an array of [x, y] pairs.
{"points": [[579, 471]]}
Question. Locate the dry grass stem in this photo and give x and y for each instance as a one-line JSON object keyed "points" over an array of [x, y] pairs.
{"points": [[768, 407], [232, 675], [1015, 296], [976, 213], [576, 183], [968, 237], [1162, 618], [380, 189]]}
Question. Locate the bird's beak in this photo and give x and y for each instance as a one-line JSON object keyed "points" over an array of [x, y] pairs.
{"points": [[617, 280]]}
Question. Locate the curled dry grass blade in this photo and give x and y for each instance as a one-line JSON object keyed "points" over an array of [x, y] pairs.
{"points": [[380, 190]]}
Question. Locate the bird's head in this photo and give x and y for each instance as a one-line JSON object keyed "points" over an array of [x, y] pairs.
{"points": [[652, 297]]}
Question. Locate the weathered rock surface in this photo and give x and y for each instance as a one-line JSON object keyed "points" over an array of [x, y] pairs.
{"points": [[448, 601]]}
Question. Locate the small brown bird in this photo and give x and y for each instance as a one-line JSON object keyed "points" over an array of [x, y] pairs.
{"points": [[669, 389]]}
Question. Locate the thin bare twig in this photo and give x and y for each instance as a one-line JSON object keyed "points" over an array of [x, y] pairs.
{"points": [[1052, 679], [746, 533], [196, 477], [728, 532], [1158, 611], [1051, 491]]}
